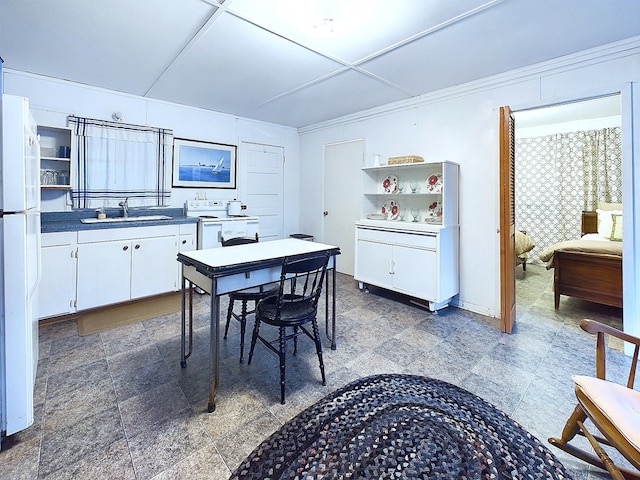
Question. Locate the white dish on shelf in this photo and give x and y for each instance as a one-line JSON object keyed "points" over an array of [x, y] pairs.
{"points": [[376, 216], [434, 183], [390, 184], [434, 209], [390, 209]]}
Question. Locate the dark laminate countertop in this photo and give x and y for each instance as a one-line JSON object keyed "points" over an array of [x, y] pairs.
{"points": [[70, 221]]}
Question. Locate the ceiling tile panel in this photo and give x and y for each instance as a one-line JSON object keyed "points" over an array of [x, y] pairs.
{"points": [[253, 58], [342, 94], [370, 26], [235, 66], [123, 45], [534, 31]]}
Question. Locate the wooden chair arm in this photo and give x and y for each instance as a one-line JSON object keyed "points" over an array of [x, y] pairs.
{"points": [[600, 329], [593, 327]]}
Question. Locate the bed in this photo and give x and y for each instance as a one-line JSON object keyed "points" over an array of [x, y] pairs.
{"points": [[590, 268]]}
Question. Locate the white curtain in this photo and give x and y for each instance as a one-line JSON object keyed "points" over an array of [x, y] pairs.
{"points": [[114, 161]]}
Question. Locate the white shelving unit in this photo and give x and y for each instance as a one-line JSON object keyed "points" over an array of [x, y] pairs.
{"points": [[408, 237], [55, 165], [435, 203]]}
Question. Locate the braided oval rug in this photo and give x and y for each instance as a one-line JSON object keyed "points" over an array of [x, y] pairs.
{"points": [[401, 427]]}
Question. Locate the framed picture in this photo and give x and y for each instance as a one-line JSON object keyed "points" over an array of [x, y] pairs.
{"points": [[203, 164]]}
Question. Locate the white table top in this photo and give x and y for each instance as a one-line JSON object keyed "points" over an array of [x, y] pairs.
{"points": [[222, 257]]}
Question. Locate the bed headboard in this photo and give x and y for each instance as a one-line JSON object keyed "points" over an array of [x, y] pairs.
{"points": [[589, 222]]}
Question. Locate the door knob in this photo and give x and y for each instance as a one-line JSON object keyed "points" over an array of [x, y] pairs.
{"points": [[125, 248], [325, 213]]}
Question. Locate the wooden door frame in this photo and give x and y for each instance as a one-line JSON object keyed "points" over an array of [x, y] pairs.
{"points": [[507, 221]]}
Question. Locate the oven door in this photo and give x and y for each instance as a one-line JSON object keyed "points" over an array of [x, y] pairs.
{"points": [[209, 234]]}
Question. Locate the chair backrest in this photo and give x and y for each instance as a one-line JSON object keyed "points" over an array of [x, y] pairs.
{"points": [[301, 281], [238, 241]]}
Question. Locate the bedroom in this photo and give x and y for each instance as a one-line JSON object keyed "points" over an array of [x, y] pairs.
{"points": [[568, 167]]}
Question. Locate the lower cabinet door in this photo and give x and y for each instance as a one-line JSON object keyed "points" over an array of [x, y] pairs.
{"points": [[153, 266], [415, 272], [57, 288], [373, 263], [104, 273]]}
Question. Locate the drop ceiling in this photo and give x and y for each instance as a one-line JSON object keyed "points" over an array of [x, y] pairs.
{"points": [[256, 59]]}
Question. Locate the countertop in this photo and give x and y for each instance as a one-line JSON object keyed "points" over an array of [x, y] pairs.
{"points": [[70, 221]]}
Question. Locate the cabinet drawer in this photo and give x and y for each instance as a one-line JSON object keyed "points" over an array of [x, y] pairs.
{"points": [[54, 239], [409, 239]]}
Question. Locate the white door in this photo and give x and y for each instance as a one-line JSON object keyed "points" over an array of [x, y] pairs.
{"points": [[262, 186], [342, 187]]}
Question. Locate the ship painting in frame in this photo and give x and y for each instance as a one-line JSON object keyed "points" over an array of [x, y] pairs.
{"points": [[199, 164]]}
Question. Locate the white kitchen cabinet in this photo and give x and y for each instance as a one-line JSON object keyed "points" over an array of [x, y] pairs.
{"points": [[55, 157], [121, 264], [57, 288], [104, 273], [153, 266], [408, 238]]}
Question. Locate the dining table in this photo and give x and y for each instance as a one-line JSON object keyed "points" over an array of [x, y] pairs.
{"points": [[218, 271]]}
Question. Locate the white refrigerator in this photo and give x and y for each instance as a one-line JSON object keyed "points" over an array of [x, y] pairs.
{"points": [[20, 260]]}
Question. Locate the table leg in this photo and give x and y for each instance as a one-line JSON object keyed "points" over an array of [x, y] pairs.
{"points": [[184, 354], [331, 337], [214, 344], [333, 306]]}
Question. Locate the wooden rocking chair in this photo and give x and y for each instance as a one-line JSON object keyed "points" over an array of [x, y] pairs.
{"points": [[614, 410]]}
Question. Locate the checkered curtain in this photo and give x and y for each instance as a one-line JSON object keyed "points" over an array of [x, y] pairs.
{"points": [[114, 161], [557, 176]]}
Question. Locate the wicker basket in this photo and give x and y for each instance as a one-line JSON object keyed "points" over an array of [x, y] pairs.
{"points": [[405, 159]]}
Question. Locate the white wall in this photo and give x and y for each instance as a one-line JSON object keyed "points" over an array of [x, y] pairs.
{"points": [[53, 100], [461, 125]]}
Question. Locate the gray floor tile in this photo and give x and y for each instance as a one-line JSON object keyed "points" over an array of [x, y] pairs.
{"points": [[118, 404]]}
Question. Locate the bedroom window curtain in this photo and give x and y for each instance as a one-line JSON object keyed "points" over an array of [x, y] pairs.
{"points": [[115, 161], [557, 176]]}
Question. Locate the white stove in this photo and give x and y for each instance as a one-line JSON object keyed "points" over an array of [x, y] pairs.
{"points": [[215, 224]]}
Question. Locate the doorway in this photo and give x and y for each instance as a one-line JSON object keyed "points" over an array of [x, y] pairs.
{"points": [[547, 220], [342, 198]]}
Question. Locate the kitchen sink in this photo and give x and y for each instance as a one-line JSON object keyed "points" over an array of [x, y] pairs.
{"points": [[139, 218]]}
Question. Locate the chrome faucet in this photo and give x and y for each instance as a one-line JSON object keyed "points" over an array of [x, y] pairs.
{"points": [[125, 207]]}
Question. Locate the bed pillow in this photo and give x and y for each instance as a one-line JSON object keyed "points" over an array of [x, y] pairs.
{"points": [[605, 221], [523, 243], [609, 206], [616, 229]]}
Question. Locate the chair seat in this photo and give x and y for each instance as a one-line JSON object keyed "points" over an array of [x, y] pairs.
{"points": [[291, 314], [619, 405], [256, 293]]}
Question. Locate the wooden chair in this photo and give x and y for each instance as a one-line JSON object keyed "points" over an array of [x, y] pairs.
{"points": [[254, 294], [613, 409], [295, 306]]}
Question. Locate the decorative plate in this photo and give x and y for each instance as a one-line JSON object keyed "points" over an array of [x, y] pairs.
{"points": [[391, 209], [434, 183], [434, 209], [390, 184]]}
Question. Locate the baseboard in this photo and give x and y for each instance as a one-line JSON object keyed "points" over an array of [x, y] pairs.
{"points": [[126, 313]]}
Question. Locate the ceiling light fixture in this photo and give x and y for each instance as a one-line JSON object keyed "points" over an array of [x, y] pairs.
{"points": [[326, 18]]}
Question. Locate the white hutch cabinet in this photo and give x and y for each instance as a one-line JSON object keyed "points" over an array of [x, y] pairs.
{"points": [[408, 237]]}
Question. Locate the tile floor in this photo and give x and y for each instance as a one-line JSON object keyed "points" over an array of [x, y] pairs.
{"points": [[117, 404]]}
